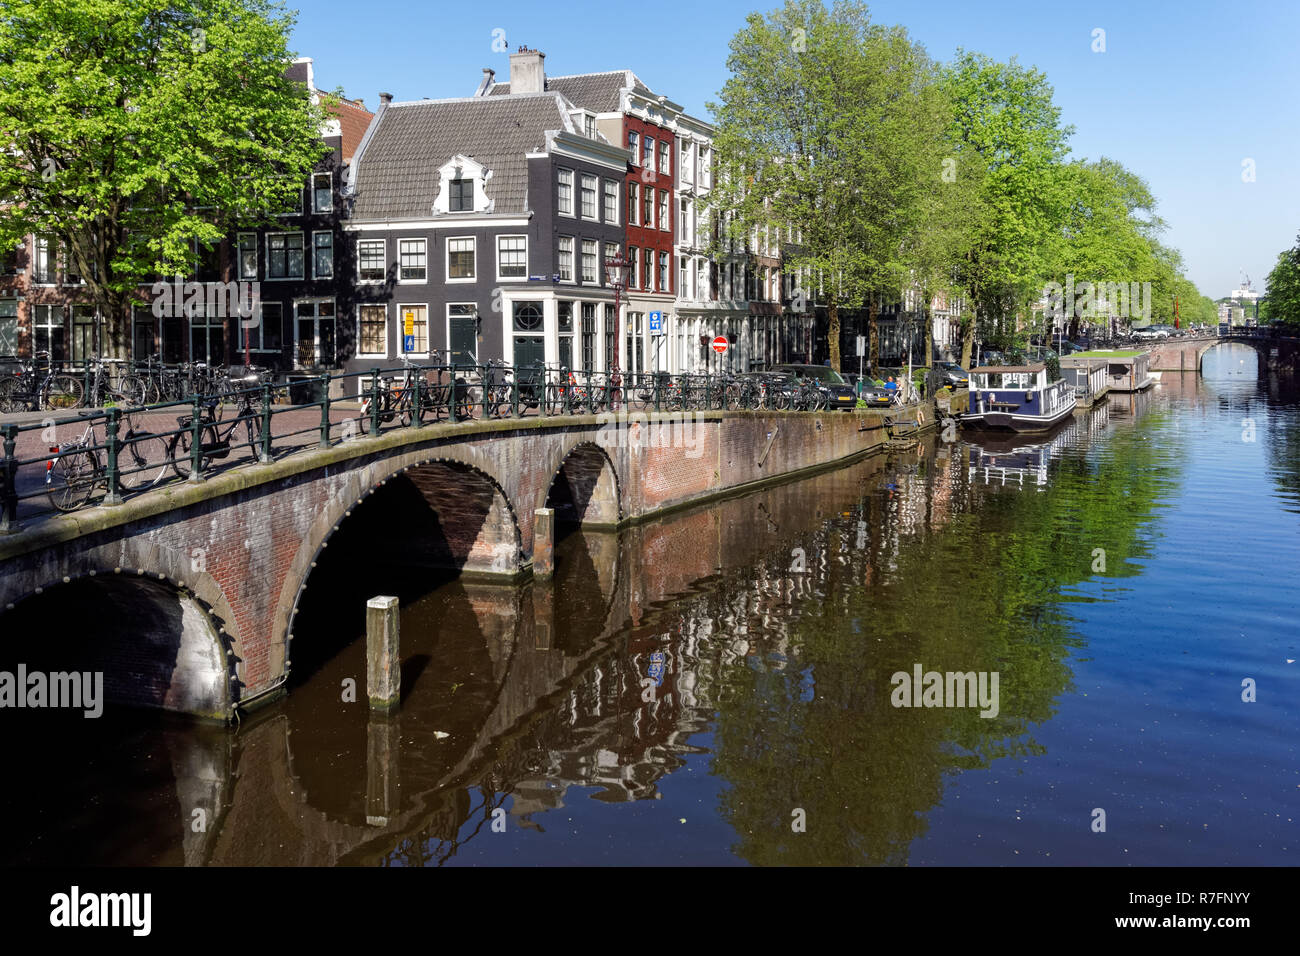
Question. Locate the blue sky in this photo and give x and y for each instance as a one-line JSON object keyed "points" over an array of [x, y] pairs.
{"points": [[1182, 95]]}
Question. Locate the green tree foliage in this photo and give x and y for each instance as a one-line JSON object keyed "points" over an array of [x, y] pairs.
{"points": [[1283, 287], [135, 128], [829, 126]]}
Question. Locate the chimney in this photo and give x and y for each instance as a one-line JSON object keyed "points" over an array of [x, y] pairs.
{"points": [[489, 79], [527, 72], [385, 98]]}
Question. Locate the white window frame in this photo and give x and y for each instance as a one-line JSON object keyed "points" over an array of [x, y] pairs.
{"points": [[665, 206], [383, 269], [446, 259], [423, 242], [595, 197], [634, 206], [583, 254], [606, 185], [260, 329], [322, 232], [51, 274], [239, 256], [329, 176], [299, 210], [286, 278], [401, 329], [560, 174], [500, 277], [572, 258], [372, 305], [634, 146], [665, 157]]}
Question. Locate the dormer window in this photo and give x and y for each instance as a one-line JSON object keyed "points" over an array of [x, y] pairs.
{"points": [[462, 196]]}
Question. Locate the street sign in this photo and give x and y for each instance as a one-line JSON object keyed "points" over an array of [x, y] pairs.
{"points": [[720, 344], [862, 345], [408, 331], [656, 323]]}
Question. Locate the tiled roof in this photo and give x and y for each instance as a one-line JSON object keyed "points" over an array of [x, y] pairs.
{"points": [[397, 175], [598, 92], [353, 121]]}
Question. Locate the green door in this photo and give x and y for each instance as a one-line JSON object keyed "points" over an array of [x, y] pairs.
{"points": [[464, 339], [530, 351]]}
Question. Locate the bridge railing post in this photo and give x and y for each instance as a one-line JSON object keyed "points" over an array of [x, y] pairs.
{"points": [[9, 476], [514, 392], [196, 438], [265, 455], [417, 402], [485, 379], [325, 417], [374, 402], [111, 447], [453, 398]]}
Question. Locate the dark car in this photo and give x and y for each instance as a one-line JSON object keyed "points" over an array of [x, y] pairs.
{"points": [[839, 394], [954, 374]]}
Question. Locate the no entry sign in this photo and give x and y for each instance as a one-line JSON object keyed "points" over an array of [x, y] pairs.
{"points": [[720, 344]]}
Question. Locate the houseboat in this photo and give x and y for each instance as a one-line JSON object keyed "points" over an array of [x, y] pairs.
{"points": [[1018, 397], [1090, 379], [1127, 371]]}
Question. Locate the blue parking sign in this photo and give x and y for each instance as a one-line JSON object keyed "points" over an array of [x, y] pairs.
{"points": [[656, 323], [408, 345]]}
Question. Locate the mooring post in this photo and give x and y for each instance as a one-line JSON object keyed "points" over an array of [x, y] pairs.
{"points": [[543, 542], [383, 665]]}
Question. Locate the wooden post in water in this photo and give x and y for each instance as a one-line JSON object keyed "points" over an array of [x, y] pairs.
{"points": [[383, 664], [543, 542]]}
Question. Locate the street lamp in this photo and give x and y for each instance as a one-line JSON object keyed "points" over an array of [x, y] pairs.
{"points": [[616, 273]]}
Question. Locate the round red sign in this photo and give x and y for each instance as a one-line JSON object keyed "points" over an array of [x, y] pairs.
{"points": [[720, 344]]}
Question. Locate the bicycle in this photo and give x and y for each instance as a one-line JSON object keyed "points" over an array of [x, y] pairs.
{"points": [[214, 444], [34, 390], [76, 469], [130, 389]]}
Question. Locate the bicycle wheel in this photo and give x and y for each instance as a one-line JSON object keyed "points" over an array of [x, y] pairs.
{"points": [[252, 428], [71, 479], [143, 462], [12, 398], [554, 399], [63, 391], [133, 390], [179, 451]]}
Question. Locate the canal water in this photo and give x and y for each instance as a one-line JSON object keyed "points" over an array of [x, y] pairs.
{"points": [[719, 687]]}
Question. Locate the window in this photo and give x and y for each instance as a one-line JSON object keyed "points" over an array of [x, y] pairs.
{"points": [[42, 264], [411, 261], [528, 316], [564, 328], [683, 287], [632, 146], [706, 169], [633, 205], [663, 273], [665, 220], [589, 260], [566, 258], [293, 203], [588, 197], [207, 338], [284, 255], [610, 320], [633, 268], [565, 198], [648, 271], [372, 331], [461, 195], [460, 258], [635, 341], [416, 319], [611, 251], [8, 326], [611, 202], [648, 153], [684, 166], [48, 332], [684, 221], [268, 334], [370, 260], [665, 158], [9, 266], [648, 208], [323, 255], [589, 336], [248, 255], [70, 274], [589, 125], [512, 257], [322, 192]]}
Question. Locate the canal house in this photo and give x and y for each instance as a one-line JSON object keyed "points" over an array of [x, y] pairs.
{"points": [[1089, 376]]}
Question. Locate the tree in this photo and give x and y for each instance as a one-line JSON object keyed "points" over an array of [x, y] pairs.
{"points": [[826, 128], [1005, 127], [137, 128], [1283, 286]]}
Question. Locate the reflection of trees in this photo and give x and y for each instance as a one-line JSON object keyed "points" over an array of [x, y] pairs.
{"points": [[816, 730], [1283, 438]]}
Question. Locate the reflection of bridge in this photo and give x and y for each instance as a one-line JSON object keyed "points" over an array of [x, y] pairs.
{"points": [[210, 575], [1276, 352]]}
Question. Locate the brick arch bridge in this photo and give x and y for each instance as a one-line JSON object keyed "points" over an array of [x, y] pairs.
{"points": [[1277, 353], [217, 568]]}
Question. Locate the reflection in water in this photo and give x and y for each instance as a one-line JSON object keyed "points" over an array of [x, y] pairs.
{"points": [[681, 689]]}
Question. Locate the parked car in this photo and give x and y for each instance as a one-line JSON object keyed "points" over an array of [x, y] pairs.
{"points": [[954, 375], [839, 394], [1149, 334]]}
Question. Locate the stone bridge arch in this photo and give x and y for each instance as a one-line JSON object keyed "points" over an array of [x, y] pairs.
{"points": [[584, 487], [471, 521], [158, 643]]}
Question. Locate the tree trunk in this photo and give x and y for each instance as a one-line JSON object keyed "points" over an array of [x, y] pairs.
{"points": [[967, 341], [928, 322], [873, 335], [833, 330]]}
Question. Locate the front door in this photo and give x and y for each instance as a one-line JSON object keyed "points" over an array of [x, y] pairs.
{"points": [[463, 334], [316, 346], [530, 351]]}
